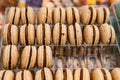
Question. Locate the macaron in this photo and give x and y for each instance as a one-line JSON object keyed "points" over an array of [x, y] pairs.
{"points": [[27, 34], [107, 34], [10, 57], [65, 74], [43, 34], [101, 74], [44, 74], [91, 34], [81, 74], [13, 15], [28, 57], [72, 15], [27, 15], [59, 34], [75, 34], [44, 57], [45, 15], [24, 75], [7, 75], [59, 15], [10, 34], [115, 74]]}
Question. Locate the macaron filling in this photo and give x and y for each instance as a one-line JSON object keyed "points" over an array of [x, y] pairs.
{"points": [[46, 14], [42, 75], [104, 74], [75, 34], [45, 61], [65, 75], [91, 16], [3, 75], [26, 35], [14, 16], [9, 64], [105, 13], [73, 14], [26, 15], [29, 58], [9, 34]]}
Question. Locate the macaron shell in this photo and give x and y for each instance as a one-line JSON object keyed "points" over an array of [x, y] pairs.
{"points": [[5, 31], [77, 74], [63, 17], [23, 15], [76, 15], [9, 75], [63, 34], [106, 74], [94, 14], [115, 74], [17, 16], [69, 15], [69, 74], [38, 75], [56, 14], [107, 16], [19, 75], [49, 16], [48, 74], [59, 74], [22, 35], [86, 75], [47, 34], [27, 75], [113, 35], [97, 35]]}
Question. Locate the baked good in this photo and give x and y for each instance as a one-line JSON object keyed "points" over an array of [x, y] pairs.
{"points": [[45, 15], [107, 34], [81, 74], [43, 34], [88, 15], [44, 57], [44, 74], [115, 74], [65, 74], [75, 34], [10, 57], [13, 15], [27, 15], [101, 74], [7, 75], [91, 34], [103, 15], [59, 15], [72, 15], [59, 34], [10, 34], [24, 75], [28, 57], [27, 34]]}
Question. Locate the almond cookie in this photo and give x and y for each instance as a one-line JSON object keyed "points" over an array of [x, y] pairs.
{"points": [[45, 15], [75, 34], [44, 57], [91, 34], [44, 74], [27, 15], [59, 34], [10, 57], [10, 34], [115, 74], [28, 57], [43, 34], [27, 34], [13, 15]]}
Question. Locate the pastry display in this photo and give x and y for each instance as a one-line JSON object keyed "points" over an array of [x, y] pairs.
{"points": [[72, 15], [43, 34], [10, 57], [59, 34], [13, 16], [107, 34], [24, 75], [44, 74], [75, 34], [27, 34], [45, 15], [59, 15], [44, 57], [115, 74], [91, 34], [27, 15], [28, 57], [10, 34]]}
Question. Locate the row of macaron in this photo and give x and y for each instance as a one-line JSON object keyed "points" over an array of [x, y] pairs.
{"points": [[62, 74], [59, 34], [70, 15]]}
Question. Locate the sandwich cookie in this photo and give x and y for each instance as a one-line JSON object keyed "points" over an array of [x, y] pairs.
{"points": [[27, 34], [45, 15], [91, 34], [115, 74], [44, 57], [28, 57], [59, 34], [10, 34], [13, 15], [43, 34], [27, 15]]}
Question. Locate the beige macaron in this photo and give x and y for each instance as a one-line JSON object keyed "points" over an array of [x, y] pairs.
{"points": [[27, 34], [27, 15], [91, 34], [115, 74], [24, 75], [28, 57], [43, 34], [107, 34], [10, 34], [45, 15], [59, 34], [44, 74], [44, 57]]}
